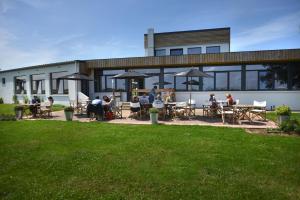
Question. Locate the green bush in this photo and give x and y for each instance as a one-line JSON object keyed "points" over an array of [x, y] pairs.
{"points": [[153, 110], [1, 100], [25, 99], [69, 109], [289, 125], [15, 99], [297, 129], [7, 117], [283, 110]]}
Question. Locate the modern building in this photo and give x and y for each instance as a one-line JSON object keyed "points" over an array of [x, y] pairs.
{"points": [[271, 75]]}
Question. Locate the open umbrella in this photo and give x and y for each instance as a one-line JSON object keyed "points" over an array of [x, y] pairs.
{"points": [[130, 75], [163, 83], [76, 77], [193, 73]]}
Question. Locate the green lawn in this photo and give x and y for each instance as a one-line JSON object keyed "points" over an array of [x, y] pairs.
{"points": [[9, 108], [272, 116], [73, 160]]}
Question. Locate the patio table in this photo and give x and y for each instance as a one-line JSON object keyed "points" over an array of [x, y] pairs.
{"points": [[243, 111]]}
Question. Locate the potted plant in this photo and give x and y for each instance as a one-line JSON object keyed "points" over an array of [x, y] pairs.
{"points": [[19, 110], [69, 111], [154, 115], [283, 113]]}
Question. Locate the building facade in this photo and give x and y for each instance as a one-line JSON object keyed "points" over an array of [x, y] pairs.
{"points": [[272, 75]]}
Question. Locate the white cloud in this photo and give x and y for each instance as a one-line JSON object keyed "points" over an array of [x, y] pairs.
{"points": [[282, 27]]}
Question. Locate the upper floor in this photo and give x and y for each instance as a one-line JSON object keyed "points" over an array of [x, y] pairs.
{"points": [[187, 42]]}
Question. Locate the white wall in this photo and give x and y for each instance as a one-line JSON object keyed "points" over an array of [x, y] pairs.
{"points": [[224, 47], [7, 90], [273, 98]]}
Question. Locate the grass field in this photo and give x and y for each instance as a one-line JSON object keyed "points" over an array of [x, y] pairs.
{"points": [[73, 160], [9, 108]]}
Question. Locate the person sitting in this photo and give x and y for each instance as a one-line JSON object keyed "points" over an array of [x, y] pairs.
{"points": [[171, 98], [144, 99], [50, 100], [213, 101], [135, 106], [35, 102], [96, 108], [159, 104], [229, 100], [105, 104]]}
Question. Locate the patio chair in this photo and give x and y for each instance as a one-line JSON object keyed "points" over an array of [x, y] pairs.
{"points": [[192, 107], [161, 109], [45, 109], [181, 109], [117, 110], [259, 109], [227, 112], [135, 108], [237, 102]]}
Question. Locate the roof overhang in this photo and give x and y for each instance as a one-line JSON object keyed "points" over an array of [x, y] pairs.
{"points": [[228, 58]]}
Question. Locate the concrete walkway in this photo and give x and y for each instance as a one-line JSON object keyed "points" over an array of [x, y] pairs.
{"points": [[199, 120]]}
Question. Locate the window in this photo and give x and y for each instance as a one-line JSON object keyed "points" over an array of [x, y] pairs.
{"points": [[280, 76], [20, 85], [265, 80], [251, 80], [213, 49], [59, 86], [176, 52], [160, 52], [3, 81], [221, 81], [194, 50], [208, 83], [38, 84], [110, 84], [295, 77], [153, 77], [235, 81]]}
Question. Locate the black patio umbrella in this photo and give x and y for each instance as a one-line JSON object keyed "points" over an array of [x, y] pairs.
{"points": [[163, 83], [193, 73], [76, 77], [191, 82], [130, 75]]}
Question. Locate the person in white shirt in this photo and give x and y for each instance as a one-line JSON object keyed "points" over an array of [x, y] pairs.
{"points": [[144, 99], [97, 101]]}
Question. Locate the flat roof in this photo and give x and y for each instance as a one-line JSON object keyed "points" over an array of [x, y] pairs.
{"points": [[226, 58]]}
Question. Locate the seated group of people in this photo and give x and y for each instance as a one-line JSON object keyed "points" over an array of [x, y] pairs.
{"points": [[214, 103], [102, 107], [36, 102]]}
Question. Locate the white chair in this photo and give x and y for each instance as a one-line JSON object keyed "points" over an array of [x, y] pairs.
{"points": [[237, 102], [259, 109], [135, 108], [228, 112], [181, 108]]}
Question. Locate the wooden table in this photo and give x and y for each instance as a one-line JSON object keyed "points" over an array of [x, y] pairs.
{"points": [[243, 111]]}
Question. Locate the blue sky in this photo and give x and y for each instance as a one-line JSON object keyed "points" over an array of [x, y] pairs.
{"points": [[42, 31]]}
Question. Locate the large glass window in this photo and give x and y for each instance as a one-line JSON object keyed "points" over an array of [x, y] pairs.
{"points": [[221, 81], [235, 81], [176, 52], [153, 77], [213, 49], [280, 76], [265, 80], [160, 52], [194, 50], [20, 85], [251, 80], [295, 77], [38, 84], [59, 86], [110, 84], [208, 83]]}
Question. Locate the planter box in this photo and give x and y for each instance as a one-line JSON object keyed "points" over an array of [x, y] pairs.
{"points": [[154, 118], [69, 115], [282, 118]]}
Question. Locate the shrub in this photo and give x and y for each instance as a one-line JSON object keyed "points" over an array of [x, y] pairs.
{"points": [[25, 99], [7, 117], [289, 125], [283, 110], [1, 100], [69, 109], [153, 110], [297, 129], [15, 99]]}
